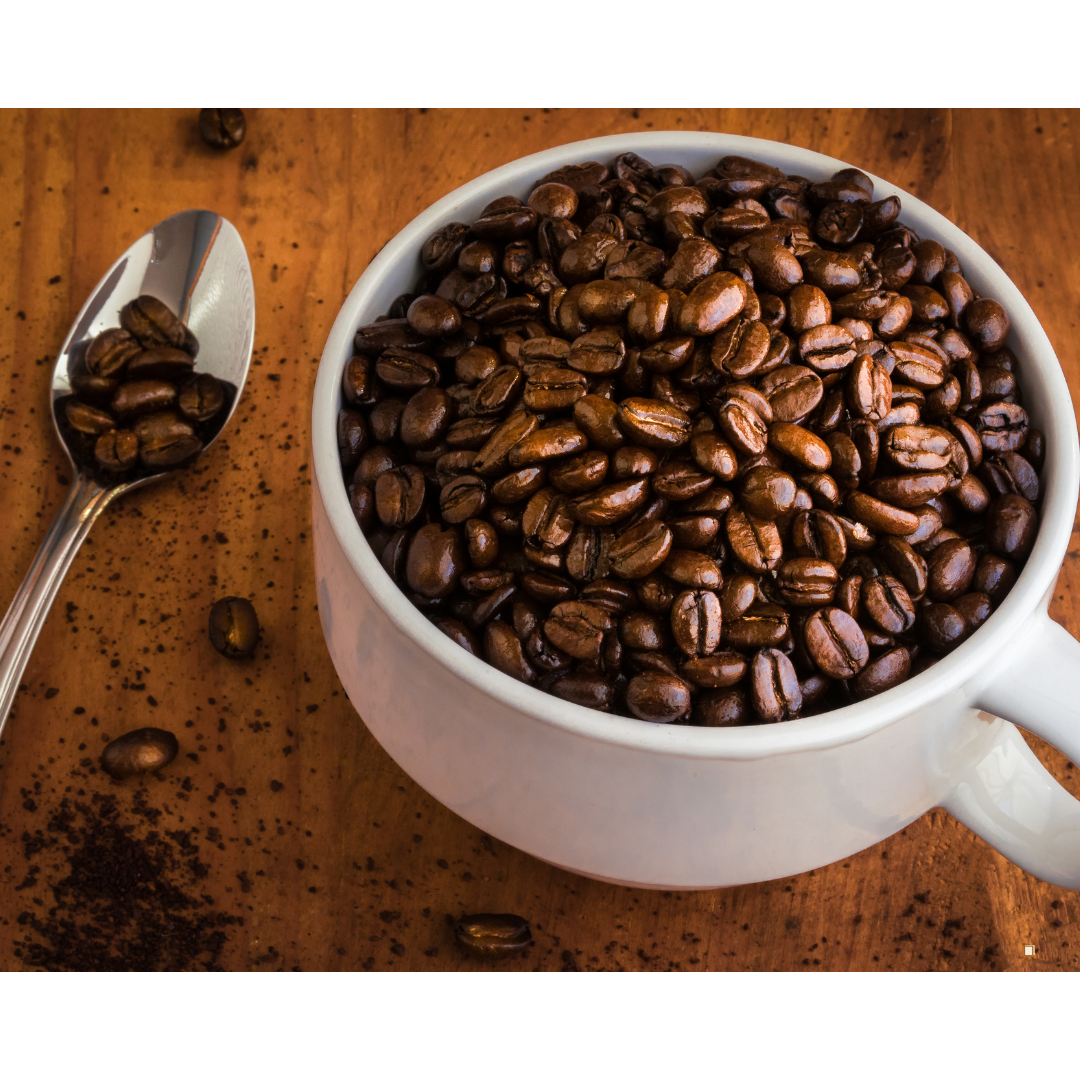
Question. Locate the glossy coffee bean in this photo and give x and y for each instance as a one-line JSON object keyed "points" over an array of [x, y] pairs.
{"points": [[117, 451], [888, 604], [223, 129], [658, 698], [493, 937], [836, 643], [234, 627], [943, 627], [146, 750], [1010, 526], [774, 687], [109, 353]]}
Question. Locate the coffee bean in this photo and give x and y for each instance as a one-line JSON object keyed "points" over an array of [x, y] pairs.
{"points": [[774, 687], [882, 673], [1010, 526], [589, 691], [836, 643], [223, 129], [722, 708], [493, 937], [754, 541], [696, 622], [399, 496], [807, 582], [234, 627], [435, 561], [658, 697], [117, 451], [943, 627], [147, 750], [109, 353]]}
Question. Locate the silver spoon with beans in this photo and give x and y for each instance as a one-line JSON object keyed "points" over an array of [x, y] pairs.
{"points": [[193, 263]]}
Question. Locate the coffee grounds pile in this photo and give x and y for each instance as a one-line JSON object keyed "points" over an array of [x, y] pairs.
{"points": [[127, 902]]}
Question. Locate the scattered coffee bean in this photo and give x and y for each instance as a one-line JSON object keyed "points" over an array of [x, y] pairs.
{"points": [[222, 129], [143, 751], [493, 937], [234, 627]]}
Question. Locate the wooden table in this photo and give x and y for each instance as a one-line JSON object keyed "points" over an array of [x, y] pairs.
{"points": [[334, 857]]}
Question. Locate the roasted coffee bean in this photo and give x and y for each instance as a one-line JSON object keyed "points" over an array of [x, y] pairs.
{"points": [[658, 697], [904, 562], [549, 388], [943, 627], [462, 498], [880, 517], [793, 392], [147, 750], [994, 576], [578, 628], [696, 622], [109, 353], [203, 397], [693, 569], [974, 608], [1010, 526], [714, 455], [740, 348], [545, 445], [950, 570], [888, 603], [234, 627], [817, 534], [767, 493], [721, 669], [804, 447], [807, 581], [774, 687], [435, 561], [399, 496], [459, 633], [869, 389], [722, 708], [166, 441], [738, 593], [580, 473], [836, 643], [152, 323], [754, 541], [117, 451], [94, 390], [636, 552], [653, 423], [162, 362], [742, 426], [503, 650], [88, 420], [223, 129], [611, 503], [1002, 426], [882, 673], [143, 397]]}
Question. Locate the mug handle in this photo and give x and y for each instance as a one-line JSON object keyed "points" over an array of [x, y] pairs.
{"points": [[1006, 796]]}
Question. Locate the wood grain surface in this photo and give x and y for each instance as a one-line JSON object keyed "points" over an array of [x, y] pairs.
{"points": [[333, 857]]}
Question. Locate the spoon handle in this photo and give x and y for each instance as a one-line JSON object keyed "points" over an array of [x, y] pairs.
{"points": [[26, 615]]}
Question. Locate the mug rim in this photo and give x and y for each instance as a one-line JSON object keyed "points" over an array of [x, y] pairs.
{"points": [[1060, 481]]}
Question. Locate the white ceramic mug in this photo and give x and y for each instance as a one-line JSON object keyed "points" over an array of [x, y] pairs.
{"points": [[684, 807]]}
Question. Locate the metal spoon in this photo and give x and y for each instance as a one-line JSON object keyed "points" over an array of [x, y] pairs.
{"points": [[194, 262]]}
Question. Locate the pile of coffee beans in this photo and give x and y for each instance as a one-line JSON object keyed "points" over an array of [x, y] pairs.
{"points": [[717, 451], [137, 405]]}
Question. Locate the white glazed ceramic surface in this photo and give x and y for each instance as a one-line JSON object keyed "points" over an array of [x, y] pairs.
{"points": [[684, 807]]}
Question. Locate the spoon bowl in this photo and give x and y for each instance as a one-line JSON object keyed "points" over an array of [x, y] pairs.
{"points": [[196, 264]]}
